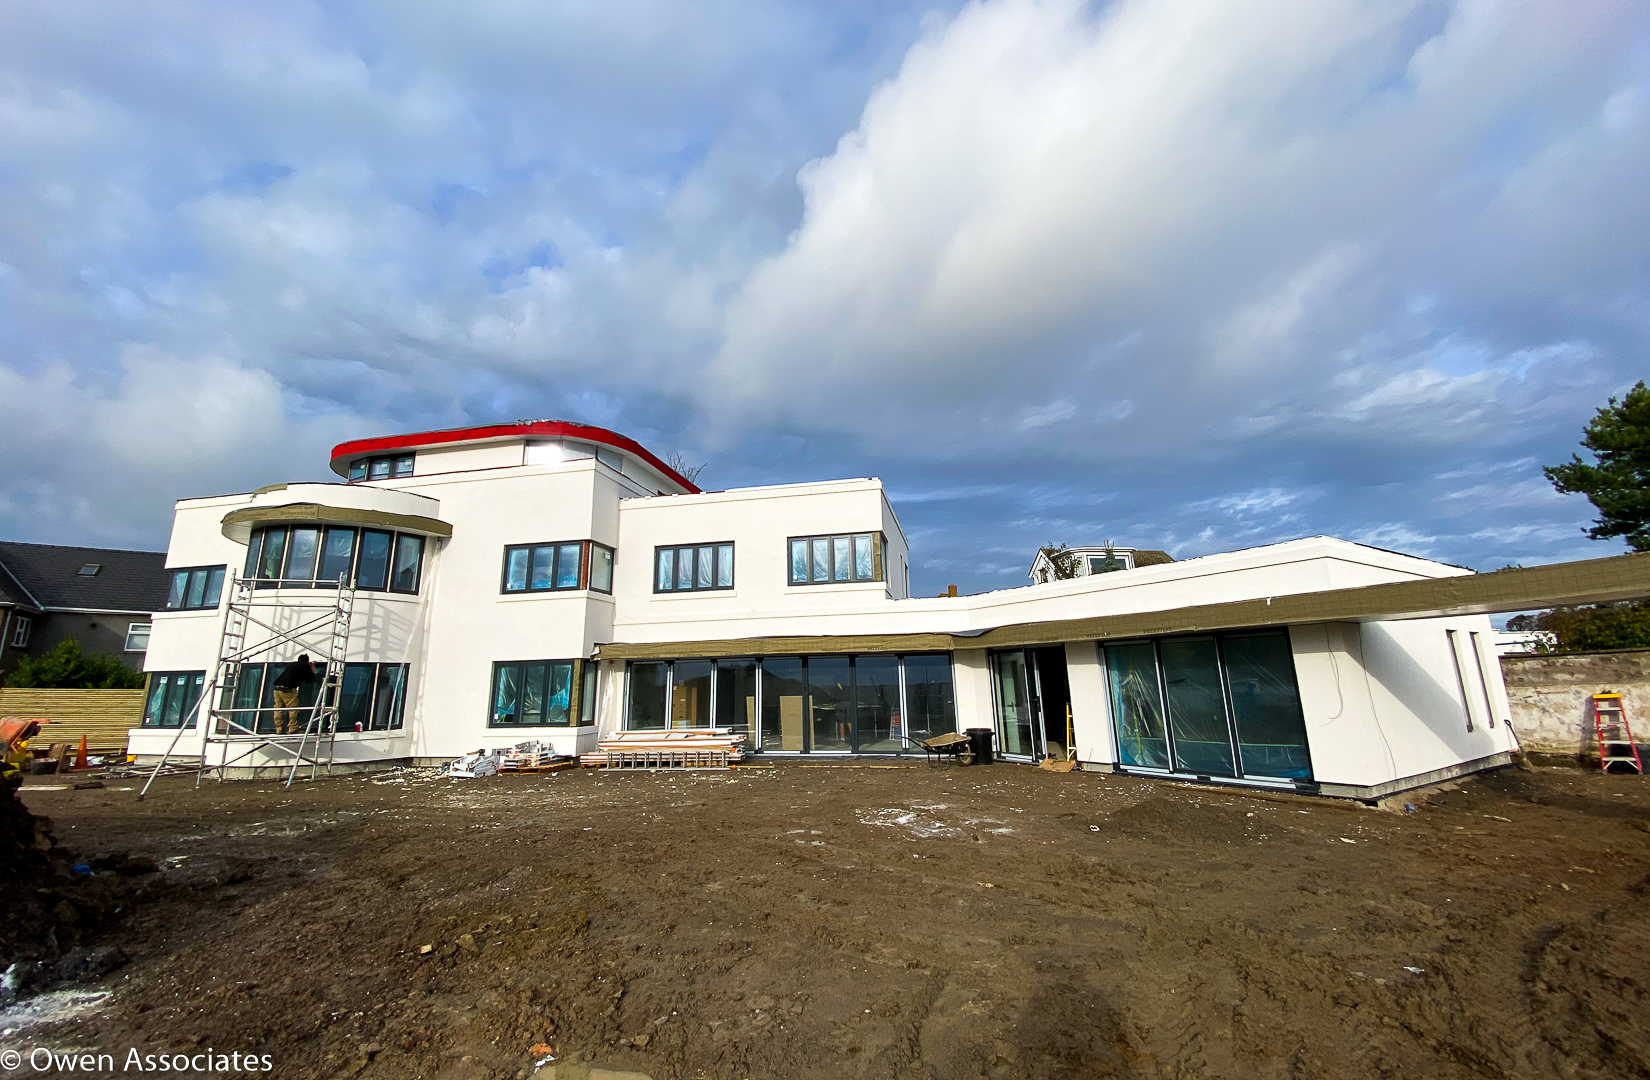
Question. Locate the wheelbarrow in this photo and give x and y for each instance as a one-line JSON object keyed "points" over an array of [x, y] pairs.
{"points": [[954, 745]]}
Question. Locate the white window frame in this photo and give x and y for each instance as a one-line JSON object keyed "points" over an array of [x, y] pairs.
{"points": [[134, 629], [22, 630]]}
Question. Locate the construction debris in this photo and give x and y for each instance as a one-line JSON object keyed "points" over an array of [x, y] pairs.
{"points": [[472, 766], [702, 748]]}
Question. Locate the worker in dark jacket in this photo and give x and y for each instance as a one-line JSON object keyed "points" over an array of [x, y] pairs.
{"points": [[288, 717]]}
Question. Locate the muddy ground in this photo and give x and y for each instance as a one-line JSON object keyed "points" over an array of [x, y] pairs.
{"points": [[804, 921]]}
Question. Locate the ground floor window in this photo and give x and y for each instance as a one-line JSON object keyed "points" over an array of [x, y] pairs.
{"points": [[542, 693], [1214, 705], [871, 703], [173, 696], [371, 697]]}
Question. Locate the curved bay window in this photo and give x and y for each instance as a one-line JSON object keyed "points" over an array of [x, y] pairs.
{"points": [[319, 556], [371, 697]]}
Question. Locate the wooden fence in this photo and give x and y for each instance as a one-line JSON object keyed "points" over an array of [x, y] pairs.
{"points": [[102, 716]]}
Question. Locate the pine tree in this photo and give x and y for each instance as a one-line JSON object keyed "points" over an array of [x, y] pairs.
{"points": [[1619, 485]]}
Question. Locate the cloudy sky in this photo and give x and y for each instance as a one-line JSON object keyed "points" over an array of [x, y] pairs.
{"points": [[1184, 274]]}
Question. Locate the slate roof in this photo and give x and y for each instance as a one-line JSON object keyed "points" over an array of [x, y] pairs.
{"points": [[48, 576]]}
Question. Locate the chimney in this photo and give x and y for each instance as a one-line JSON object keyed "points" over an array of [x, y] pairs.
{"points": [[951, 590]]}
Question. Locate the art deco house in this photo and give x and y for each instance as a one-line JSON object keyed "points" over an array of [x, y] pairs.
{"points": [[554, 581]]}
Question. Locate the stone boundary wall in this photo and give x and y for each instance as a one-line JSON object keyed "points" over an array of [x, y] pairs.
{"points": [[1550, 697]]}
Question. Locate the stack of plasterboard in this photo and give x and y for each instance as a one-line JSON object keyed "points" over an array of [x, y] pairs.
{"points": [[702, 748]]}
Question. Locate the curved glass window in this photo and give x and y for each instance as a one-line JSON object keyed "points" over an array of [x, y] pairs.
{"points": [[301, 556]]}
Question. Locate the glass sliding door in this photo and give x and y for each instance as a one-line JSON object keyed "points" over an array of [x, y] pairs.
{"points": [[1016, 704], [736, 696], [1196, 706], [690, 694], [1266, 706], [1218, 705], [830, 703], [783, 694], [649, 681], [1137, 705], [876, 704], [930, 706]]}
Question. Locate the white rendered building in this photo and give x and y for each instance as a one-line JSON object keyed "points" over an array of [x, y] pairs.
{"points": [[553, 581]]}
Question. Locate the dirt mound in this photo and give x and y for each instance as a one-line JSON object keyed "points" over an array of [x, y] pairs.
{"points": [[51, 913], [1184, 820]]}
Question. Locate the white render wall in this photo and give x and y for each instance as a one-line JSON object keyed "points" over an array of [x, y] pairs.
{"points": [[1381, 699]]}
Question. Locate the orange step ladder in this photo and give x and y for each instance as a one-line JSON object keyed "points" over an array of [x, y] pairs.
{"points": [[1617, 753]]}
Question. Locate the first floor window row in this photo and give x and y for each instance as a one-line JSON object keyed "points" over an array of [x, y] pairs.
{"points": [[302, 556]]}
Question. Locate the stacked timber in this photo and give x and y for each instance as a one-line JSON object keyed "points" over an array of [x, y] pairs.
{"points": [[699, 748], [531, 757]]}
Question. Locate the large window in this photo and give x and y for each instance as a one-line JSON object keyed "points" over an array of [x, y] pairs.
{"points": [[1222, 705], [371, 697], [305, 556], [835, 560], [381, 468], [173, 696], [565, 565], [874, 703], [541, 693], [195, 588], [696, 568]]}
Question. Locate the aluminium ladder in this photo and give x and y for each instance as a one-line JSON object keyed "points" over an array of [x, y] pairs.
{"points": [[1617, 752]]}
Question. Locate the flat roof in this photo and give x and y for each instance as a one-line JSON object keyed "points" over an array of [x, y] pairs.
{"points": [[1589, 581], [519, 429]]}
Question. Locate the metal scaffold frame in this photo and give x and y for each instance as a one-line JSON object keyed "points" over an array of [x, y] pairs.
{"points": [[319, 626]]}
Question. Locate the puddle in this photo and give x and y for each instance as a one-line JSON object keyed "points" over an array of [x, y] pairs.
{"points": [[49, 1008]]}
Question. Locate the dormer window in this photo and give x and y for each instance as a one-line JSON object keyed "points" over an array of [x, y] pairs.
{"points": [[381, 468]]}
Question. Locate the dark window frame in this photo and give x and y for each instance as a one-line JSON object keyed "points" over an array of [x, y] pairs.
{"points": [[879, 558], [586, 560], [715, 548], [254, 556], [189, 575], [164, 684], [572, 714], [396, 467], [1220, 638], [252, 694], [753, 738]]}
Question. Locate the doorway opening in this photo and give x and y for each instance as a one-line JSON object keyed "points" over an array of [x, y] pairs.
{"points": [[1033, 698]]}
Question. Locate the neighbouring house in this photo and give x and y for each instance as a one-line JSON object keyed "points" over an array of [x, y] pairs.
{"points": [[1098, 559], [553, 581], [100, 597]]}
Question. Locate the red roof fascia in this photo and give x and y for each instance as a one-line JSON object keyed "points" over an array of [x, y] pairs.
{"points": [[520, 429]]}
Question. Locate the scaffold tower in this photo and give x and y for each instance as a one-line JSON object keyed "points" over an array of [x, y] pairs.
{"points": [[270, 620]]}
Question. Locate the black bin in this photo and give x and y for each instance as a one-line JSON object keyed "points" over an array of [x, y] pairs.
{"points": [[979, 741]]}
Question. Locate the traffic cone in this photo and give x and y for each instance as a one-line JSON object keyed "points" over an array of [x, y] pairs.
{"points": [[80, 758]]}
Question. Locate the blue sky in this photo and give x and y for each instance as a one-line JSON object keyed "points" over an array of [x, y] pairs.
{"points": [[1171, 273]]}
